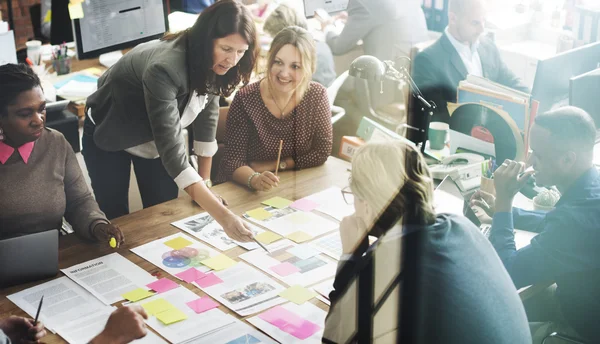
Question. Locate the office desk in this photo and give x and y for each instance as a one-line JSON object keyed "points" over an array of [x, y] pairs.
{"points": [[153, 223]]}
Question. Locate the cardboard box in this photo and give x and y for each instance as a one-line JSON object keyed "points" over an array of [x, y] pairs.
{"points": [[349, 145]]}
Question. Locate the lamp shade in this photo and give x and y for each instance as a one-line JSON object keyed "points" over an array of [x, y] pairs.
{"points": [[367, 67]]}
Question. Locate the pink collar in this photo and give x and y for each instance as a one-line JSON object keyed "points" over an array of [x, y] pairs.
{"points": [[6, 151]]}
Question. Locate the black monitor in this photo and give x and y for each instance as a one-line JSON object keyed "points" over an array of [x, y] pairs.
{"points": [[60, 29], [551, 85], [110, 25], [584, 93]]}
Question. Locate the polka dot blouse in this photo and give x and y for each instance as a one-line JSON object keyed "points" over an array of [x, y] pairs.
{"points": [[253, 133]]}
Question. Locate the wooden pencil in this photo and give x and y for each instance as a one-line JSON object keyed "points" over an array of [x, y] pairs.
{"points": [[278, 157]]}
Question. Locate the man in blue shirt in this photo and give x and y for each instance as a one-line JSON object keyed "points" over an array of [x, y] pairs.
{"points": [[567, 250]]}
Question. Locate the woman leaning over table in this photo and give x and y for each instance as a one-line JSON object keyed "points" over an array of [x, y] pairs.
{"points": [[284, 106], [40, 179], [153, 92], [464, 293]]}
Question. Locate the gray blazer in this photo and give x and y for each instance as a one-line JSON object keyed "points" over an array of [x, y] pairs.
{"points": [[142, 97]]}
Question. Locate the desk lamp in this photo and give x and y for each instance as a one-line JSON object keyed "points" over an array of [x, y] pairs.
{"points": [[371, 68]]}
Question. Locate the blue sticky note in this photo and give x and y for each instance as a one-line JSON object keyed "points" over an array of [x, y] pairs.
{"points": [[76, 77]]}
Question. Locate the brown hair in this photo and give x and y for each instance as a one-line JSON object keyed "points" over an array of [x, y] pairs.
{"points": [[223, 18], [301, 40], [282, 17]]}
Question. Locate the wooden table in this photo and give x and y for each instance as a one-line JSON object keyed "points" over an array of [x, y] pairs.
{"points": [[154, 223]]}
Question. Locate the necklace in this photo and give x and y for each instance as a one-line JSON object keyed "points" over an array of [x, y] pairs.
{"points": [[275, 101]]}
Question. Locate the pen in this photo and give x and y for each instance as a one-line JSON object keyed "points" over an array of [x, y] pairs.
{"points": [[259, 244], [37, 315]]}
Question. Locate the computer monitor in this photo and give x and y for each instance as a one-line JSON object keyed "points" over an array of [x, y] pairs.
{"points": [[110, 25], [330, 6], [551, 85], [60, 29], [584, 91]]}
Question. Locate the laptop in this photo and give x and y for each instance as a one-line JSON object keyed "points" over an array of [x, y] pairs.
{"points": [[28, 258], [449, 199]]}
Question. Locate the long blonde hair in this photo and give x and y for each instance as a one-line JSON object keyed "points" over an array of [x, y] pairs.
{"points": [[301, 40], [394, 173]]}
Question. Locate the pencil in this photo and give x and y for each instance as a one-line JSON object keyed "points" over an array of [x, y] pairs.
{"points": [[37, 314], [278, 157], [259, 244]]}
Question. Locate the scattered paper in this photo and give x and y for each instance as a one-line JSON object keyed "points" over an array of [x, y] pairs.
{"points": [[303, 251], [178, 243], [208, 281], [162, 285], [190, 275], [202, 304], [157, 306], [304, 205], [288, 220], [292, 323], [137, 294], [324, 289], [77, 89], [331, 202], [267, 237], [299, 237], [259, 214], [278, 202], [75, 11], [237, 332], [330, 244], [220, 262], [171, 316], [285, 269], [297, 294]]}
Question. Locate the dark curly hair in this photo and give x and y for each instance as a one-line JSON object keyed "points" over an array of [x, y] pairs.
{"points": [[223, 18], [15, 79]]}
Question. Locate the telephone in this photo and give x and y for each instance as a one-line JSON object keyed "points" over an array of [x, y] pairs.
{"points": [[463, 168]]}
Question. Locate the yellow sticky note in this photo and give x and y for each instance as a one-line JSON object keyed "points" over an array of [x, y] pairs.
{"points": [[137, 294], [220, 262], [178, 243], [259, 214], [48, 16], [76, 1], [75, 11], [267, 237], [297, 294], [277, 202], [157, 306], [171, 316], [299, 237], [299, 218]]}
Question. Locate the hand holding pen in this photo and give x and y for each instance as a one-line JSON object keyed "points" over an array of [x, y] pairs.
{"points": [[23, 330]]}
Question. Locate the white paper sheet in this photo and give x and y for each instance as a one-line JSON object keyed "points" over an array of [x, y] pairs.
{"points": [[64, 302], [109, 277], [311, 270], [235, 333], [205, 228], [307, 311], [84, 329], [331, 202], [323, 289], [245, 290], [195, 325], [76, 88], [176, 261], [330, 244], [289, 220]]}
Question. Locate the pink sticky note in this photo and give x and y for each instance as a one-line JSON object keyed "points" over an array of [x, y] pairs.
{"points": [[209, 280], [304, 205], [285, 269], [162, 285], [190, 275], [289, 322], [202, 304]]}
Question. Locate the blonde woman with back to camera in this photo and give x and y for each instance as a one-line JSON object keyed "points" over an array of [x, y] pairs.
{"points": [[466, 295], [284, 106]]}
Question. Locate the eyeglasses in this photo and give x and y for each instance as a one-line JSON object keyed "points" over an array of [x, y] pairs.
{"points": [[348, 196]]}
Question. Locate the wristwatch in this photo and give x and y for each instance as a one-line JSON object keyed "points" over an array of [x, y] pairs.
{"points": [[208, 183], [282, 165]]}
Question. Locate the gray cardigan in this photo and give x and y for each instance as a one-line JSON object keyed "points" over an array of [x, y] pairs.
{"points": [[141, 99]]}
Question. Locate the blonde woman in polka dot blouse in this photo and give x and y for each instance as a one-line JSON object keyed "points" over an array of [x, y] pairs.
{"points": [[285, 105]]}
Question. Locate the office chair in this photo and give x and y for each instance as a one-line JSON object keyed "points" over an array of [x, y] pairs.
{"points": [[336, 112], [563, 337]]}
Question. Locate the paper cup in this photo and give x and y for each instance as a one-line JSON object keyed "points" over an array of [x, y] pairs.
{"points": [[34, 51], [438, 135]]}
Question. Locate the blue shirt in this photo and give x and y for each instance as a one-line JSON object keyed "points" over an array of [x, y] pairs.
{"points": [[567, 251]]}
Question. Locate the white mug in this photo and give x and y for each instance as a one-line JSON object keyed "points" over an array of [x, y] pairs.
{"points": [[34, 51]]}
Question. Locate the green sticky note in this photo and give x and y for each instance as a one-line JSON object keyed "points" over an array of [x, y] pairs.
{"points": [[259, 214], [267, 237], [157, 306], [219, 262], [299, 237], [171, 316], [277, 202], [178, 243], [297, 294], [137, 294]]}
